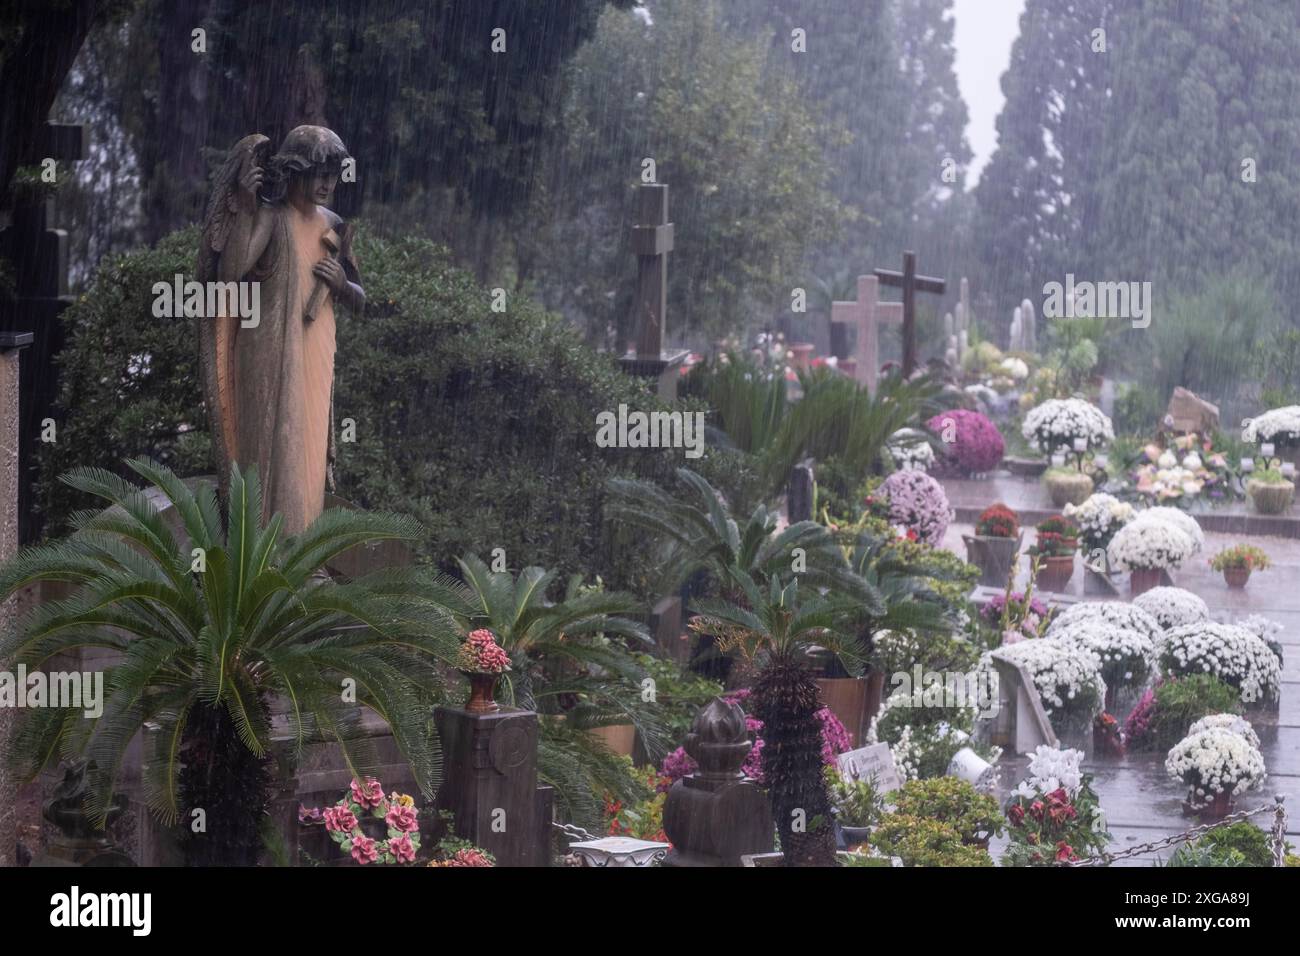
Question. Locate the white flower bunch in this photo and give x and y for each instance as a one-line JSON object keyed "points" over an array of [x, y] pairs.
{"points": [[1215, 761], [1151, 544], [1259, 625], [1116, 614], [1276, 423], [1066, 674], [1057, 422], [1126, 655], [1233, 654], [1015, 368], [1099, 517], [1051, 769], [1238, 725], [1179, 519], [910, 449], [1173, 607]]}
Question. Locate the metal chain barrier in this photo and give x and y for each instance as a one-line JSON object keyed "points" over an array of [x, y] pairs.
{"points": [[1277, 837]]}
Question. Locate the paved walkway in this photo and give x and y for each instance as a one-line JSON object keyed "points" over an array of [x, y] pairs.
{"points": [[1141, 802]]}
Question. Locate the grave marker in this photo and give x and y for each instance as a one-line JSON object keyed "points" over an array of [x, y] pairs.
{"points": [[866, 314], [875, 763], [910, 283], [652, 240]]}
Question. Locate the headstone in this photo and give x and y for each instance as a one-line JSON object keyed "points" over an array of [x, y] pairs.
{"points": [[1021, 724], [717, 815], [11, 345], [910, 283], [799, 493], [874, 763], [39, 255], [866, 314], [1190, 413], [490, 783], [652, 240]]}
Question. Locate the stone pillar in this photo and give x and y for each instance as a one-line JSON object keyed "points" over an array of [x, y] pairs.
{"points": [[799, 493], [490, 783], [10, 346], [717, 815]]}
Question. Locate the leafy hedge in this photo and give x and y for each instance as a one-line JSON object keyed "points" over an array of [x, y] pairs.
{"points": [[481, 424]]}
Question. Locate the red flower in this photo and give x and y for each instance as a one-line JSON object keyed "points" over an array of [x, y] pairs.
{"points": [[1016, 814], [1064, 852], [1036, 810]]}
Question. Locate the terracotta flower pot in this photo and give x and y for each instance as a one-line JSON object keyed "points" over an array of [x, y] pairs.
{"points": [[1216, 809], [619, 738], [482, 693], [1068, 488], [1271, 498], [995, 557], [1141, 580], [1236, 577], [1054, 573], [846, 697]]}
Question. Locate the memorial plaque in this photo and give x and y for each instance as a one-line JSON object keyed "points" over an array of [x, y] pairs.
{"points": [[871, 763]]}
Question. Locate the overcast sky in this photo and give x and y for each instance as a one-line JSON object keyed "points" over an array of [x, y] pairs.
{"points": [[985, 31]]}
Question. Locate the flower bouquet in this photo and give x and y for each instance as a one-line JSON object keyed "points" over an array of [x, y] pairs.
{"points": [[1173, 607], [1215, 764], [1059, 423], [482, 660], [393, 823], [1054, 815], [1189, 468], [1098, 518], [1014, 616], [970, 441], [1233, 654], [1238, 562], [1149, 545], [1127, 657], [1058, 539], [917, 502]]}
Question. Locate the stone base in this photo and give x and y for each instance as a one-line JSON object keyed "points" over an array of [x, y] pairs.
{"points": [[664, 368]]}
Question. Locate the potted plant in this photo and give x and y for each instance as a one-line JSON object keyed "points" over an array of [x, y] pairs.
{"points": [[1269, 491], [1064, 428], [482, 661], [1058, 539], [1054, 815], [1233, 654], [1216, 764], [858, 805], [1237, 562], [1146, 547], [1067, 486], [995, 545], [972, 444]]}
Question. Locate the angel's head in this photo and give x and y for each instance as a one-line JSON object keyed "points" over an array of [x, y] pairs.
{"points": [[307, 167]]}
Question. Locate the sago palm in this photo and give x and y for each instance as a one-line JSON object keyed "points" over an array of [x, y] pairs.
{"points": [[568, 657], [209, 628], [779, 623]]}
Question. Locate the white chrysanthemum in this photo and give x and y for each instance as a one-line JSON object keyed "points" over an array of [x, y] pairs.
{"points": [[910, 449], [1179, 519], [1065, 673], [1117, 614], [1051, 769], [1126, 655], [1232, 722], [1276, 424], [1150, 544], [1233, 654], [1015, 368], [1173, 607], [1216, 761], [1057, 422], [1099, 517]]}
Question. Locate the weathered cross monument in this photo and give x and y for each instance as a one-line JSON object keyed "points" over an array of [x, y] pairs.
{"points": [[652, 240], [867, 313], [910, 283]]}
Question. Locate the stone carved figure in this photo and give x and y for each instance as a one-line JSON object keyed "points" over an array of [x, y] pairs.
{"points": [[268, 384]]}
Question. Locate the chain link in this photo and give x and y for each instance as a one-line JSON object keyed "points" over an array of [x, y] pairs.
{"points": [[1277, 838]]}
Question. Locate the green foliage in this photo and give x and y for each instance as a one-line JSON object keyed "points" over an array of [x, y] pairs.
{"points": [[920, 841], [1201, 854], [1243, 837], [216, 644], [679, 694], [857, 802], [976, 816], [1181, 702]]}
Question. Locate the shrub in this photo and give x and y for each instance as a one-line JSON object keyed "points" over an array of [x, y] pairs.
{"points": [[1164, 714], [919, 841], [974, 815], [1244, 838]]}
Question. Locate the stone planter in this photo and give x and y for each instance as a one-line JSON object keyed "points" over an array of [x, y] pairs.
{"points": [[995, 557], [1055, 573], [1025, 467], [1068, 488], [854, 836], [1270, 498], [1236, 577], [1141, 580]]}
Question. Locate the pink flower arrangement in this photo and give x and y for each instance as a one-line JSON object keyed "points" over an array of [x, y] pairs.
{"points": [[366, 801], [969, 439], [469, 857], [917, 502], [481, 654]]}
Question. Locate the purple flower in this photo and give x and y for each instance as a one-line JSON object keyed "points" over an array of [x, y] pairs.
{"points": [[969, 439], [917, 501]]}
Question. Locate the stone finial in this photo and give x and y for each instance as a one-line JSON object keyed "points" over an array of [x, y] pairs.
{"points": [[719, 741], [1028, 326]]}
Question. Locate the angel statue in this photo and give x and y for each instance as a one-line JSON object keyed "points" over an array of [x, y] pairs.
{"points": [[269, 384]]}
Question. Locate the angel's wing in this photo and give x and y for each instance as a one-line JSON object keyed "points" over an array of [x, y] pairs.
{"points": [[215, 332]]}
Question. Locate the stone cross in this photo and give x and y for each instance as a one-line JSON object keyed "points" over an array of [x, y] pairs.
{"points": [[910, 283], [652, 240], [866, 313]]}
